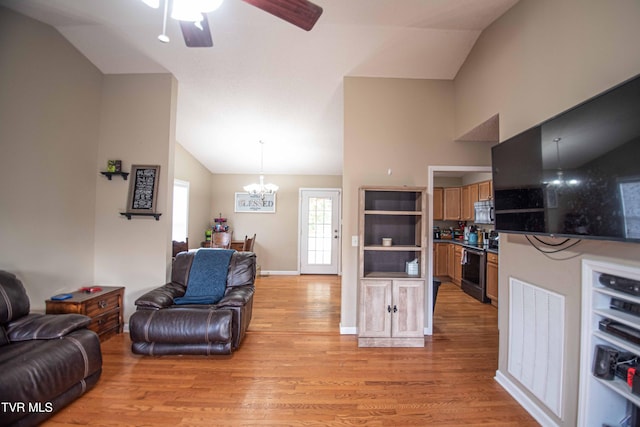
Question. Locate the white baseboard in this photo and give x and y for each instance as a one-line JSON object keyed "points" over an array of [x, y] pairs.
{"points": [[279, 273], [525, 401], [348, 330]]}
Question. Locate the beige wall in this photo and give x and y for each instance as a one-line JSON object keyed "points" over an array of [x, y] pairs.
{"points": [[188, 168], [540, 58], [276, 234], [400, 124], [60, 121], [137, 125], [49, 115]]}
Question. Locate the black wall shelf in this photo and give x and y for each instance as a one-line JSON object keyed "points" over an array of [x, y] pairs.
{"points": [[124, 175], [132, 214]]}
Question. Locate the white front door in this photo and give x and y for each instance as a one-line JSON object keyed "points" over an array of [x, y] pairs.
{"points": [[319, 231]]}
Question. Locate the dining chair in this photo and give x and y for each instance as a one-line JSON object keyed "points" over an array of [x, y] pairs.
{"points": [[221, 240], [180, 246], [248, 243]]}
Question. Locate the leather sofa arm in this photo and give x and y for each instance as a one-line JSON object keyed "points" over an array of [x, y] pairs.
{"points": [[45, 326], [236, 296], [161, 297]]}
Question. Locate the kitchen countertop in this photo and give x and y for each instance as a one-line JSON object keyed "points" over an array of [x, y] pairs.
{"points": [[465, 243]]}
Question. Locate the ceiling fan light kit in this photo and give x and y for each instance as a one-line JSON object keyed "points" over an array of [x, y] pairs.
{"points": [[192, 11], [195, 28]]}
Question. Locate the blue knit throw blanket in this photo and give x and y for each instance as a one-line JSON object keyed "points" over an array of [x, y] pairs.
{"points": [[207, 277]]}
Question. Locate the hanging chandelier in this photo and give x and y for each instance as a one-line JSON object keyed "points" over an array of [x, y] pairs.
{"points": [[261, 188]]}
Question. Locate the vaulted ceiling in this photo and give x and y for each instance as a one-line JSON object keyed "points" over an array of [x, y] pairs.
{"points": [[265, 79]]}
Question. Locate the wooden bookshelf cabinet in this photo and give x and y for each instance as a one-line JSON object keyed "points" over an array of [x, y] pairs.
{"points": [[391, 295]]}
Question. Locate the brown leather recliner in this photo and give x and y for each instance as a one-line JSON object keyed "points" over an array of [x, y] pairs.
{"points": [[46, 360], [160, 327]]}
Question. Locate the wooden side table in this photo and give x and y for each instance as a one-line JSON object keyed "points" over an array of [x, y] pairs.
{"points": [[103, 307]]}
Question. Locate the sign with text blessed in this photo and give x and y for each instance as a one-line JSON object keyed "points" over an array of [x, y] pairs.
{"points": [[259, 203]]}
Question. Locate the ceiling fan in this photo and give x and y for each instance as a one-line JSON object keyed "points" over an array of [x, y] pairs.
{"points": [[195, 28]]}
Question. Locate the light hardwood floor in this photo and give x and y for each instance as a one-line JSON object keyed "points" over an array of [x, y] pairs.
{"points": [[294, 369]]}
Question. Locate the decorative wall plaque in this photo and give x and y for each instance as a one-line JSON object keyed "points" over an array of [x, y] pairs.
{"points": [[143, 189]]}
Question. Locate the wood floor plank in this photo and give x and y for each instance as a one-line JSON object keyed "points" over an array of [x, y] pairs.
{"points": [[295, 369]]}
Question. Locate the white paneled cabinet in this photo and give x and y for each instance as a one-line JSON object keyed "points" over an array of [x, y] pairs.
{"points": [[392, 313]]}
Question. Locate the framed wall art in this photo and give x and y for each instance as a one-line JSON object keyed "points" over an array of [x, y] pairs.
{"points": [[143, 189], [258, 203]]}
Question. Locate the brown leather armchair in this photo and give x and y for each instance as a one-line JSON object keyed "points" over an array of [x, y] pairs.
{"points": [[160, 327], [46, 360]]}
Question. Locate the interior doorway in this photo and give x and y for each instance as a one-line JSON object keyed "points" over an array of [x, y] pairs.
{"points": [[433, 172], [319, 244]]}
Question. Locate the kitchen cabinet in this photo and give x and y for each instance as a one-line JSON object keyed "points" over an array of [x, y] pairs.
{"points": [[392, 313], [450, 258], [458, 202], [438, 204], [440, 259], [452, 197], [465, 201], [457, 265], [468, 198], [492, 278], [485, 190], [391, 298], [454, 263]]}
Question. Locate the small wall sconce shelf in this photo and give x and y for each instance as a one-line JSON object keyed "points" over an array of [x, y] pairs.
{"points": [[124, 175], [131, 214]]}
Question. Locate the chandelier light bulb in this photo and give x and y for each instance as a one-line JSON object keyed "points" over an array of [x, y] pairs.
{"points": [[191, 11], [261, 188]]}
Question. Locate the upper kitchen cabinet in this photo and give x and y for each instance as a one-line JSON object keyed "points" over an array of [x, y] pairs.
{"points": [[452, 198], [469, 196], [485, 190], [438, 204]]}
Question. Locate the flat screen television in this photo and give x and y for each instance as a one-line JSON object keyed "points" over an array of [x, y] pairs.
{"points": [[575, 175]]}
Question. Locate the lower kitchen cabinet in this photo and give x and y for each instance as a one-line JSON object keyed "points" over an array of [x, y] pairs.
{"points": [[450, 259], [492, 278], [391, 313], [440, 259], [456, 275]]}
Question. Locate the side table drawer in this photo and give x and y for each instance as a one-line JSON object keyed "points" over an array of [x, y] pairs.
{"points": [[102, 304], [105, 323]]}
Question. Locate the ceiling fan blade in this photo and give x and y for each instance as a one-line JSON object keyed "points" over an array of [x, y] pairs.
{"points": [[194, 36], [301, 13]]}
